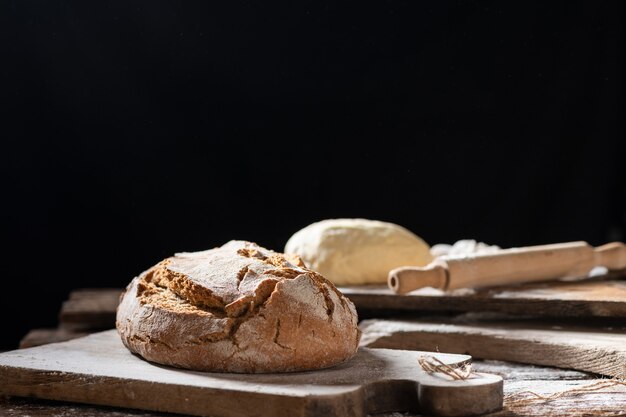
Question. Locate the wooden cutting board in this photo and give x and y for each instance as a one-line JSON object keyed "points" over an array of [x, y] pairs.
{"points": [[591, 298], [591, 349], [98, 369]]}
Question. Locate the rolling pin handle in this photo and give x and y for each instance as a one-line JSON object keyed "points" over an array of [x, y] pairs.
{"points": [[612, 256], [408, 278]]}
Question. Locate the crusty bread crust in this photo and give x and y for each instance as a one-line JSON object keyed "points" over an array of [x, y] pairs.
{"points": [[237, 308]]}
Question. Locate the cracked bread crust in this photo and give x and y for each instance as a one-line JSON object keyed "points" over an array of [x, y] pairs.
{"points": [[237, 308]]}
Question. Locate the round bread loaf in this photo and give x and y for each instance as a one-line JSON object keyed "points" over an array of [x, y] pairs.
{"points": [[357, 251], [237, 308]]}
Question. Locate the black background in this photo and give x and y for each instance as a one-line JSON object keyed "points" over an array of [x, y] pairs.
{"points": [[133, 130]]}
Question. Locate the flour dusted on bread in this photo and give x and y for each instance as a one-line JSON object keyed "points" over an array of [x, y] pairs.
{"points": [[237, 308]]}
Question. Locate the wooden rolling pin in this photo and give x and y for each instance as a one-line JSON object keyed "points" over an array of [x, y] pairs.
{"points": [[510, 266]]}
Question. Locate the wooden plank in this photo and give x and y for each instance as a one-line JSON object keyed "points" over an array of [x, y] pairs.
{"points": [[607, 402], [512, 372], [38, 337], [90, 309], [592, 298], [98, 369], [522, 378], [597, 350], [95, 308]]}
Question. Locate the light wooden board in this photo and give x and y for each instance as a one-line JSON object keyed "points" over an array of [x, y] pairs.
{"points": [[98, 369], [601, 351], [593, 298]]}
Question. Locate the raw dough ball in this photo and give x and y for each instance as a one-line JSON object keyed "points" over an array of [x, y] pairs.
{"points": [[357, 251]]}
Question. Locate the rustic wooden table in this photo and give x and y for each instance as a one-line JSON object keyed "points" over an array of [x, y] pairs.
{"points": [[518, 378], [90, 310]]}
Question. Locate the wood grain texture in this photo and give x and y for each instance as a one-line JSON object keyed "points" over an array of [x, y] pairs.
{"points": [[602, 351], [593, 298], [98, 369], [520, 378], [608, 402]]}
